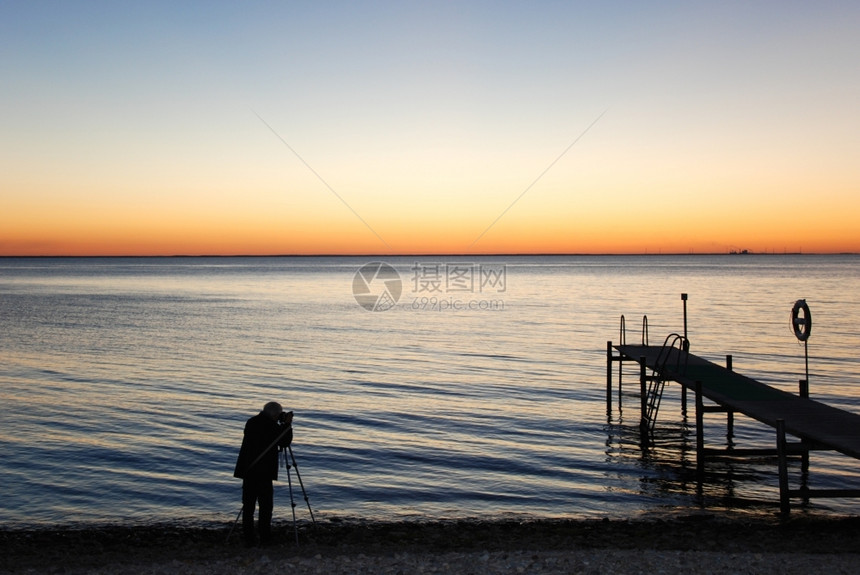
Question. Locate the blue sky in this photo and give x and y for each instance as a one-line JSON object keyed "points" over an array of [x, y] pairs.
{"points": [[429, 119]]}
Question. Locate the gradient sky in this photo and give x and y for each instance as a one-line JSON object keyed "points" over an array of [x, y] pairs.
{"points": [[401, 127]]}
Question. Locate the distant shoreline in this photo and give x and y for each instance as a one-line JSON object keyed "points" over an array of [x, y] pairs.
{"points": [[433, 255]]}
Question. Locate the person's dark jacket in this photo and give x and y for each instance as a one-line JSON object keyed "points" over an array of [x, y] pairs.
{"points": [[261, 432]]}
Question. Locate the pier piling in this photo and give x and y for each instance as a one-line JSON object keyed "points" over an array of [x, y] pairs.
{"points": [[816, 425]]}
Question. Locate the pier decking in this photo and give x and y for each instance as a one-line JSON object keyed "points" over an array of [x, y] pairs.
{"points": [[817, 425], [804, 418]]}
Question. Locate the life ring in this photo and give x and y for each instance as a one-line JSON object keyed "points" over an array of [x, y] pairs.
{"points": [[801, 323]]}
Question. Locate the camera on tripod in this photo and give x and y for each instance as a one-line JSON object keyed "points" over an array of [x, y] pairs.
{"points": [[285, 418]]}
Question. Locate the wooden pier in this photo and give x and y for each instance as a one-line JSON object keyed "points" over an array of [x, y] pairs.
{"points": [[816, 425]]}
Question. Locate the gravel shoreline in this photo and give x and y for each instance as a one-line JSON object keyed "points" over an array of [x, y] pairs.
{"points": [[702, 543]]}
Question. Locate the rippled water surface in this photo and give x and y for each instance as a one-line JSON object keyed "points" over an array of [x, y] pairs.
{"points": [[126, 383]]}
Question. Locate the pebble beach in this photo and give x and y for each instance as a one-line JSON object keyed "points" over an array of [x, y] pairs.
{"points": [[700, 543]]}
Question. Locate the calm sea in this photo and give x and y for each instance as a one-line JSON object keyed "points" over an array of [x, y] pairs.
{"points": [[475, 389]]}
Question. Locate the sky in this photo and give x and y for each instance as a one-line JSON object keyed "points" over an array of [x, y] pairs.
{"points": [[167, 128]]}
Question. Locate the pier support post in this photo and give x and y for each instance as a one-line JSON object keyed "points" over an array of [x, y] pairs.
{"points": [[609, 377], [730, 415], [784, 505], [804, 462], [643, 398], [700, 431], [684, 401]]}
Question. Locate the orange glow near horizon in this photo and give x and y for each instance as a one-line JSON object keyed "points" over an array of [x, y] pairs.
{"points": [[609, 234], [541, 223]]}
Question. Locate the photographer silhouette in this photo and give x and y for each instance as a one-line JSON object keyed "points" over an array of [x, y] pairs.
{"points": [[257, 466]]}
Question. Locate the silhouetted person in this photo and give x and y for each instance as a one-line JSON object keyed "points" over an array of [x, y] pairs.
{"points": [[257, 466]]}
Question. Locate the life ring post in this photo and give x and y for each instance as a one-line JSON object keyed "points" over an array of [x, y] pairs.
{"points": [[801, 324]]}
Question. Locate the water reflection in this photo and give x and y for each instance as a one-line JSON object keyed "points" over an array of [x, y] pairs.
{"points": [[666, 459]]}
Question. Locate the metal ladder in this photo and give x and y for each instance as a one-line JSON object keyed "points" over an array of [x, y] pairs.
{"points": [[657, 381], [622, 332]]}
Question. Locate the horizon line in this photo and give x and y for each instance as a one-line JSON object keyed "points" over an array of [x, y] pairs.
{"points": [[427, 254]]}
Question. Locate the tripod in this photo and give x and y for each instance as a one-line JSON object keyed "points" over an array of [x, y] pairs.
{"points": [[282, 454]]}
